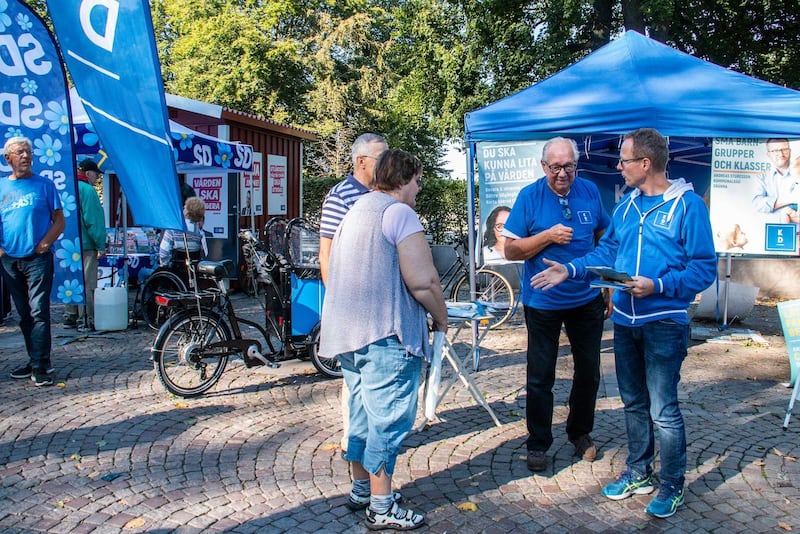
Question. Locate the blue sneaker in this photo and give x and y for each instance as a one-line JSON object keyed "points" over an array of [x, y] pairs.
{"points": [[628, 484], [666, 502]]}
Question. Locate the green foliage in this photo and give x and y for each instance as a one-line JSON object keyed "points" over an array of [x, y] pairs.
{"points": [[212, 51], [757, 38], [314, 191], [442, 208]]}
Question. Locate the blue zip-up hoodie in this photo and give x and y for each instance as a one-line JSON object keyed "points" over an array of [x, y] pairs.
{"points": [[666, 238]]}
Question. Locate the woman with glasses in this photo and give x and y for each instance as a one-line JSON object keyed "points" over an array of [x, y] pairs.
{"points": [[493, 239], [559, 216]]}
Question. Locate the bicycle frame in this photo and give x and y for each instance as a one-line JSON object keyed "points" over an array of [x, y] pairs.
{"points": [[490, 284], [456, 270]]}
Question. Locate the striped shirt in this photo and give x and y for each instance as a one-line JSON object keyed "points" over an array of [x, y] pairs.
{"points": [[172, 241], [337, 203]]}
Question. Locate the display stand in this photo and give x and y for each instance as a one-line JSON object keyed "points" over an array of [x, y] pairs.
{"points": [[791, 405], [789, 314], [462, 363]]}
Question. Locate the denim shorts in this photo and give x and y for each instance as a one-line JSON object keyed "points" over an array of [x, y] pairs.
{"points": [[383, 380]]}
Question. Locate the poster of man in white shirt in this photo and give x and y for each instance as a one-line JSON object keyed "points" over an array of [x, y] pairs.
{"points": [[778, 189], [754, 195]]}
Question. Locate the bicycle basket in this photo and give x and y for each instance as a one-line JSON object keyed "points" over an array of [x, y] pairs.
{"points": [[303, 244], [275, 236]]}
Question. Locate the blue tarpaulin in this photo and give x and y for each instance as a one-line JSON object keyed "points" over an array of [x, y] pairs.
{"points": [[636, 82]]}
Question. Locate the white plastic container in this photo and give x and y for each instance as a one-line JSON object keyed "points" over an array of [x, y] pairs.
{"points": [[111, 308]]}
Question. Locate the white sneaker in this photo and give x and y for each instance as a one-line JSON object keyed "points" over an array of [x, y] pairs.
{"points": [[395, 519]]}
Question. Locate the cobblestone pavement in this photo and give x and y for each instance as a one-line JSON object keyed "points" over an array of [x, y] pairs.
{"points": [[108, 450]]}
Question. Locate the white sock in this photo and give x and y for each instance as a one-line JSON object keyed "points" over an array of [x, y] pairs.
{"points": [[361, 487], [380, 504]]}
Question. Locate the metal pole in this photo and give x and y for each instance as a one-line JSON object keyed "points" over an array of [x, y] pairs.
{"points": [[476, 354]]}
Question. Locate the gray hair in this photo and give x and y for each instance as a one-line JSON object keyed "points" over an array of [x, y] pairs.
{"points": [[575, 153], [18, 140], [361, 145]]}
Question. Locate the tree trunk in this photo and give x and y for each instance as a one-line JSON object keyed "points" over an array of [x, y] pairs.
{"points": [[632, 15], [601, 23]]}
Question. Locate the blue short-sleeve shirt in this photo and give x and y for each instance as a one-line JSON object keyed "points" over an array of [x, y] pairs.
{"points": [[537, 209]]}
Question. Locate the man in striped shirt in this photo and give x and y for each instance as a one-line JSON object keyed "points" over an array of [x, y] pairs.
{"points": [[365, 151], [343, 195]]}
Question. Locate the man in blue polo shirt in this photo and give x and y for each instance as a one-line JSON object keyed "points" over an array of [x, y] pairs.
{"points": [[31, 219], [560, 217]]}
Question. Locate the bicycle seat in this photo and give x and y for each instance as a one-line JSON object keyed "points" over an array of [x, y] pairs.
{"points": [[217, 269]]}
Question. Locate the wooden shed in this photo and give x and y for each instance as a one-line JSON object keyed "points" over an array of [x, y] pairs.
{"points": [[267, 137]]}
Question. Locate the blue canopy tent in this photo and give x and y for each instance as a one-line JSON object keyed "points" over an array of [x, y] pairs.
{"points": [[636, 82]]}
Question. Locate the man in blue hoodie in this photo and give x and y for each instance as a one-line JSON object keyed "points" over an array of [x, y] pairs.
{"points": [[661, 235]]}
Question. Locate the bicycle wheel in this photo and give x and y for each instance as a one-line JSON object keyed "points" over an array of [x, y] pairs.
{"points": [[493, 291], [161, 281], [185, 363], [327, 366]]}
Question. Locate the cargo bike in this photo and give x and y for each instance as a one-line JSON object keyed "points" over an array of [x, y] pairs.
{"points": [[203, 330]]}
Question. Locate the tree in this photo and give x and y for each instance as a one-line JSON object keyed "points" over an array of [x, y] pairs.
{"points": [[757, 38], [213, 51]]}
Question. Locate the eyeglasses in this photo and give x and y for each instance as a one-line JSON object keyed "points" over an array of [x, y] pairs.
{"points": [[565, 211], [21, 151], [623, 162], [776, 150], [499, 226], [556, 169], [419, 183]]}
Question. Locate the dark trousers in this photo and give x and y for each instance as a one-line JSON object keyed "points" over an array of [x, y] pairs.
{"points": [[584, 327], [5, 301], [30, 281]]}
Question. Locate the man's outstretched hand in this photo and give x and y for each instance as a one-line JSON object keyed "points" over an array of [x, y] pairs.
{"points": [[550, 277]]}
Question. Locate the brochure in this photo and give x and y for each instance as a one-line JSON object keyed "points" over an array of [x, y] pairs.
{"points": [[612, 285], [608, 274]]}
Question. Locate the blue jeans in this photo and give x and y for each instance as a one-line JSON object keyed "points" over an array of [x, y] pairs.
{"points": [[648, 364], [383, 380], [29, 281], [584, 327]]}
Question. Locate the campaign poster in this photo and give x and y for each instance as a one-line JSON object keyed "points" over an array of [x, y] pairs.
{"points": [[213, 189], [503, 169], [754, 195], [789, 313], [251, 191], [276, 183]]}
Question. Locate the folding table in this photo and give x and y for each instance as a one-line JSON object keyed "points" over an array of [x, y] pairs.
{"points": [[461, 317]]}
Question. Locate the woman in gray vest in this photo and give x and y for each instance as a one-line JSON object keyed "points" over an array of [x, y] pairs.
{"points": [[382, 284]]}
